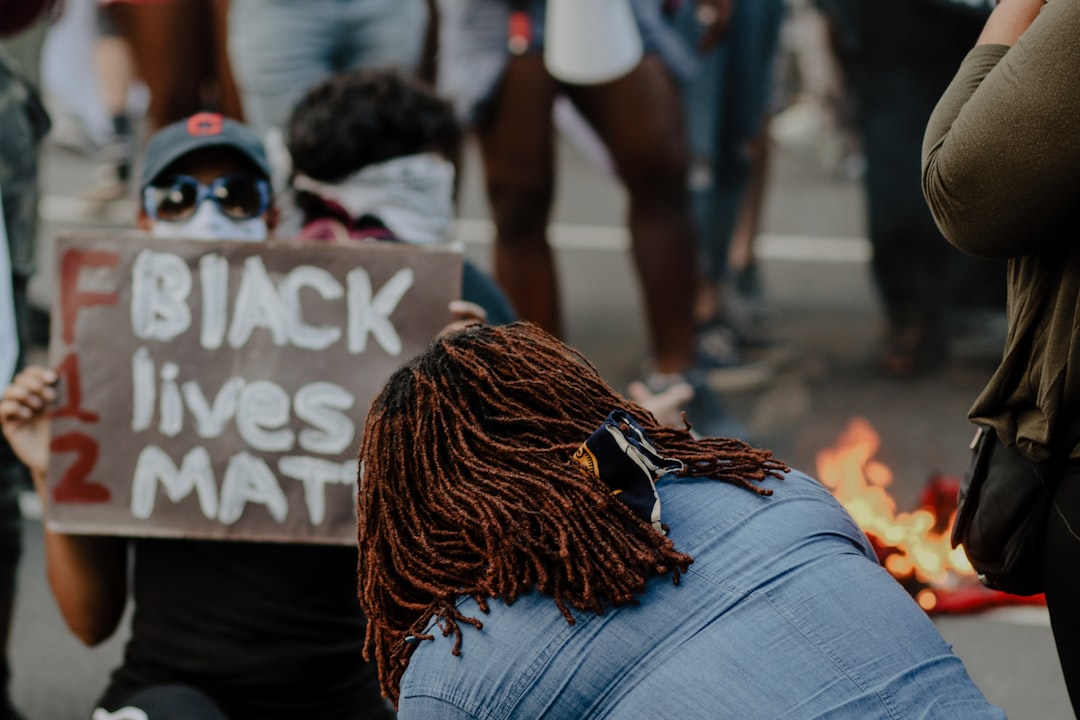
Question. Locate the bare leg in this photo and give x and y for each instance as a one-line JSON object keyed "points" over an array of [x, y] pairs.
{"points": [[228, 95], [749, 219], [639, 117], [179, 47], [430, 55], [518, 154], [170, 65]]}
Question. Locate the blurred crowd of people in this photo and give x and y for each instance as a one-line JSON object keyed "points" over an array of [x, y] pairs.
{"points": [[807, 75], [846, 84], [828, 80]]}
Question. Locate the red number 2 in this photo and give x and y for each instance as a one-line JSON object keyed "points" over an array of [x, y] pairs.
{"points": [[75, 485]]}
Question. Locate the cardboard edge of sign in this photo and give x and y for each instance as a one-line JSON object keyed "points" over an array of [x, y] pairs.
{"points": [[145, 531], [136, 529]]}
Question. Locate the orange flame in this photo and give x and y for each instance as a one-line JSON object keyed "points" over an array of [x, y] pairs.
{"points": [[859, 482]]}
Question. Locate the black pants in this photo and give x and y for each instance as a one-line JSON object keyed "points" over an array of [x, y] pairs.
{"points": [[1060, 566], [905, 54]]}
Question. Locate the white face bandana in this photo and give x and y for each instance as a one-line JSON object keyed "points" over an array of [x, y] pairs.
{"points": [[411, 195], [209, 223]]}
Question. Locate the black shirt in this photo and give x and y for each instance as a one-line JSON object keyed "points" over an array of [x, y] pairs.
{"points": [[266, 630]]}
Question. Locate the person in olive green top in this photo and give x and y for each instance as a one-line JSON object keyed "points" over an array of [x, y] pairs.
{"points": [[1001, 173]]}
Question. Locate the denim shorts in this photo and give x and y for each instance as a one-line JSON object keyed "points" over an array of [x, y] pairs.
{"points": [[473, 47], [281, 48]]}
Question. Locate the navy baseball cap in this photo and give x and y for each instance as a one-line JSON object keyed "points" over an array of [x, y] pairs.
{"points": [[199, 131]]}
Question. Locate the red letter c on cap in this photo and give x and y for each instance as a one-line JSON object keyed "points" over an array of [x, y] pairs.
{"points": [[205, 123]]}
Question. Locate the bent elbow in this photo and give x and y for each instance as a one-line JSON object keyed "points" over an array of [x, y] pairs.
{"points": [[89, 638], [92, 634], [92, 622], [967, 236], [949, 221], [967, 225], [976, 236]]}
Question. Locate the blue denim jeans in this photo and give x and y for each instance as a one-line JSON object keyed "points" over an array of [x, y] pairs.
{"points": [[280, 48], [726, 104], [785, 613]]}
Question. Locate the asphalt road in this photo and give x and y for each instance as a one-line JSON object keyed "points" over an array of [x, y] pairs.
{"points": [[814, 260]]}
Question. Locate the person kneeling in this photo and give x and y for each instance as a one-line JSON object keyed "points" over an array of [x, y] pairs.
{"points": [[534, 545]]}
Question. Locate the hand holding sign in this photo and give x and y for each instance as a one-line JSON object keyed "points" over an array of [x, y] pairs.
{"points": [[23, 409]]}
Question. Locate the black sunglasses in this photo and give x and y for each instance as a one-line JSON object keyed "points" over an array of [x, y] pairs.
{"points": [[176, 197]]}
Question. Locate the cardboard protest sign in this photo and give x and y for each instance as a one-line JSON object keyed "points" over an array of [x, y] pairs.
{"points": [[218, 389]]}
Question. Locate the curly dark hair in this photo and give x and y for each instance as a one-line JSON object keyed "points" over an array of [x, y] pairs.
{"points": [[467, 489], [360, 117]]}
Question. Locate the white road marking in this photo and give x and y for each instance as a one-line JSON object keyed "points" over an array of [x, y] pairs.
{"points": [[1030, 615], [803, 248], [67, 210]]}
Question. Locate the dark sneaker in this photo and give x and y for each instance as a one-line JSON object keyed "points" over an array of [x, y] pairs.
{"points": [[723, 365], [913, 347]]}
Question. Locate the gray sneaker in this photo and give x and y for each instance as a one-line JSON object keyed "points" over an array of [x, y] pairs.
{"points": [[705, 410]]}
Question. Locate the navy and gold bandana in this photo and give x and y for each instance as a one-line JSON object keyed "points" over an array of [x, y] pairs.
{"points": [[620, 454]]}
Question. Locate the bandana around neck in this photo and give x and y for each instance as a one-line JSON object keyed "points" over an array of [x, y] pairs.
{"points": [[411, 195], [621, 455]]}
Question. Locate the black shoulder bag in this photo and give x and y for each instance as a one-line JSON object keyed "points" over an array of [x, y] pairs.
{"points": [[1002, 508]]}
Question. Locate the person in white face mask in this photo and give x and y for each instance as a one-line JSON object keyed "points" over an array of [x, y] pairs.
{"points": [[206, 178], [220, 630]]}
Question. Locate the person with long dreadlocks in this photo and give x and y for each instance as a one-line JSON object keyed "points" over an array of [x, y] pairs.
{"points": [[515, 563]]}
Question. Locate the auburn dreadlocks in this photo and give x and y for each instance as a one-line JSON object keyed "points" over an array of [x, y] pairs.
{"points": [[466, 489]]}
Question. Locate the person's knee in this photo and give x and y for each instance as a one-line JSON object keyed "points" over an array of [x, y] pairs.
{"points": [[520, 205], [657, 176], [654, 171]]}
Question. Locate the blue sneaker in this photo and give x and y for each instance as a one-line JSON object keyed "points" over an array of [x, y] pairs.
{"points": [[724, 366]]}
